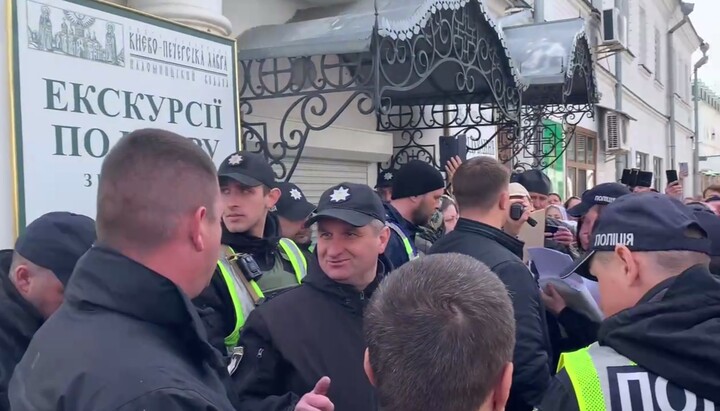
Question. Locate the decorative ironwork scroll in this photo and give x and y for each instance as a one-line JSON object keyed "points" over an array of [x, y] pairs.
{"points": [[455, 59], [538, 143]]}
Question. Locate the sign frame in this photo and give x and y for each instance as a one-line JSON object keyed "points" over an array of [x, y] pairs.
{"points": [[16, 126]]}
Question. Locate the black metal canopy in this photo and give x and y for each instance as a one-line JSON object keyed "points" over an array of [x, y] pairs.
{"points": [[395, 59], [555, 61]]}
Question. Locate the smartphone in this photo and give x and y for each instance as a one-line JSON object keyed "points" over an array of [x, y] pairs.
{"points": [[451, 146], [672, 176], [551, 229], [626, 177], [645, 179]]}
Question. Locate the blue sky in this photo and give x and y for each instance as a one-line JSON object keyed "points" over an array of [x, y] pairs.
{"points": [[705, 18]]}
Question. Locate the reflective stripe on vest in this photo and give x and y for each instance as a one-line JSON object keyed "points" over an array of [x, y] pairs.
{"points": [[241, 299], [405, 240], [296, 257], [601, 378]]}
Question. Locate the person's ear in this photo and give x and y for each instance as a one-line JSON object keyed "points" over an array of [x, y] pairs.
{"points": [[368, 369], [197, 233], [272, 197], [383, 238], [501, 392], [631, 268], [504, 200], [22, 277]]}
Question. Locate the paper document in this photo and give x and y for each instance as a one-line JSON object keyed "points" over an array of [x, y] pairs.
{"points": [[579, 293]]}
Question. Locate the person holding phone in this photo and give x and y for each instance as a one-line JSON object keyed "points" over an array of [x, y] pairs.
{"points": [[674, 187]]}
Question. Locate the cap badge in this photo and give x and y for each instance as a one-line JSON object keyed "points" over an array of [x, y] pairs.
{"points": [[295, 194], [235, 159], [388, 176], [340, 194]]}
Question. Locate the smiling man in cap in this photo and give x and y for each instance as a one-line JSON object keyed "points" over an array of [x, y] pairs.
{"points": [[658, 343], [33, 277], [314, 331]]}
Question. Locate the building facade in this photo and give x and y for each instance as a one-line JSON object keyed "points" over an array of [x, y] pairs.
{"points": [[642, 84], [709, 135]]}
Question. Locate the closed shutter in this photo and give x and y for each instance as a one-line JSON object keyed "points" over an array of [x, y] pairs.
{"points": [[315, 175]]}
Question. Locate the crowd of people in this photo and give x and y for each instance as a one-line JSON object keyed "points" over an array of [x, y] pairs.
{"points": [[199, 287]]}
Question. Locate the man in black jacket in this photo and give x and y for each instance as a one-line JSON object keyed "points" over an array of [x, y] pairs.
{"points": [[32, 279], [658, 346], [481, 188], [127, 336], [315, 331], [416, 192]]}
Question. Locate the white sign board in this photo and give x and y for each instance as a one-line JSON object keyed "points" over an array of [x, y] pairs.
{"points": [[86, 73]]}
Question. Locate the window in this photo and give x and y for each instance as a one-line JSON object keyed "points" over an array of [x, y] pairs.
{"points": [[641, 161], [581, 155], [658, 55], [657, 173], [643, 38]]}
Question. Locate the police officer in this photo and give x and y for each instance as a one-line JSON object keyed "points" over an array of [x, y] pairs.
{"points": [[657, 347], [33, 277], [416, 192], [293, 209], [256, 263], [316, 330], [384, 185]]}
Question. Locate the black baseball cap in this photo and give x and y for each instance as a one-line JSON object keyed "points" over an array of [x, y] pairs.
{"points": [[643, 222], [293, 204], [356, 204], [711, 223], [601, 194], [247, 168], [56, 241], [385, 179]]}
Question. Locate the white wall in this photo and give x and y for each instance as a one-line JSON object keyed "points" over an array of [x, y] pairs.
{"points": [[709, 130], [644, 92]]}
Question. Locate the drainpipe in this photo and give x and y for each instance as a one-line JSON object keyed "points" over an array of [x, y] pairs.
{"points": [[619, 99], [539, 11], [671, 89], [704, 47]]}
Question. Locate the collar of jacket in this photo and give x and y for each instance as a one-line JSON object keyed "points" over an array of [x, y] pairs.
{"points": [[511, 243], [394, 216], [16, 312], [261, 249], [673, 332], [106, 279], [346, 295]]}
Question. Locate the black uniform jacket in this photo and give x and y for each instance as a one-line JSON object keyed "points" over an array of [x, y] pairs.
{"points": [[214, 303], [500, 252], [674, 333], [18, 323], [125, 338], [395, 250], [306, 333]]}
